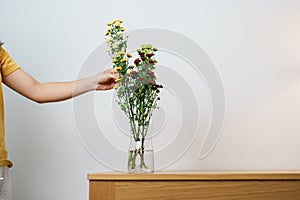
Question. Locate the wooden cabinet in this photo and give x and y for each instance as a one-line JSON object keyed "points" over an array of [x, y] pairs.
{"points": [[186, 185]]}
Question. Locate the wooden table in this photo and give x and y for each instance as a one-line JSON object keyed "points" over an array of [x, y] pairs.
{"points": [[186, 185]]}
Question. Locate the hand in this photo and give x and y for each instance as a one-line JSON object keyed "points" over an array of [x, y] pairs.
{"points": [[106, 80]]}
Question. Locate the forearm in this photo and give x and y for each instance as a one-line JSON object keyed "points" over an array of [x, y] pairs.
{"points": [[60, 91], [27, 86], [51, 92]]}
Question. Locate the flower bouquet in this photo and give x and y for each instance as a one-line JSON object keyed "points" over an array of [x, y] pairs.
{"points": [[137, 92]]}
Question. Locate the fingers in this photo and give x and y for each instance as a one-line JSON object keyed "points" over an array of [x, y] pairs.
{"points": [[108, 74], [113, 71], [107, 79], [114, 74]]}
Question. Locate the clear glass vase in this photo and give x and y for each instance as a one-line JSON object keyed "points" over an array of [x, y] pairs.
{"points": [[141, 156]]}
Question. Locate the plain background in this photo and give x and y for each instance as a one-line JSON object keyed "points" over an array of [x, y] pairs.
{"points": [[254, 44]]}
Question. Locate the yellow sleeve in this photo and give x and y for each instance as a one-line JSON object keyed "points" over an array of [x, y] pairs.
{"points": [[7, 64]]}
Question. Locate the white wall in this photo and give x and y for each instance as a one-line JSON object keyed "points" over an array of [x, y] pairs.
{"points": [[254, 44]]}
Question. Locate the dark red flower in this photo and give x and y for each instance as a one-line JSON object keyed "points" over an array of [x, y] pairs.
{"points": [[149, 55], [151, 61], [137, 61], [150, 73], [134, 87], [134, 72], [150, 82], [143, 58]]}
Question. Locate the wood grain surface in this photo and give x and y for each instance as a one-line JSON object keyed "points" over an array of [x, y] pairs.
{"points": [[196, 185]]}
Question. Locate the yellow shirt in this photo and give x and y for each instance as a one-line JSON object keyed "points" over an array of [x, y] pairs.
{"points": [[7, 66]]}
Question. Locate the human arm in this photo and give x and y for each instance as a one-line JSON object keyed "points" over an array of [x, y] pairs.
{"points": [[26, 85]]}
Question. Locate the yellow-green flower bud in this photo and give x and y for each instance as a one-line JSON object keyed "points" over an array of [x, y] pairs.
{"points": [[129, 55], [117, 24], [148, 46], [118, 68], [121, 53], [110, 23], [117, 80], [107, 31]]}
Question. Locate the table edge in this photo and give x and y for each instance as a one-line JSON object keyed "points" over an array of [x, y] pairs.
{"points": [[196, 175]]}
